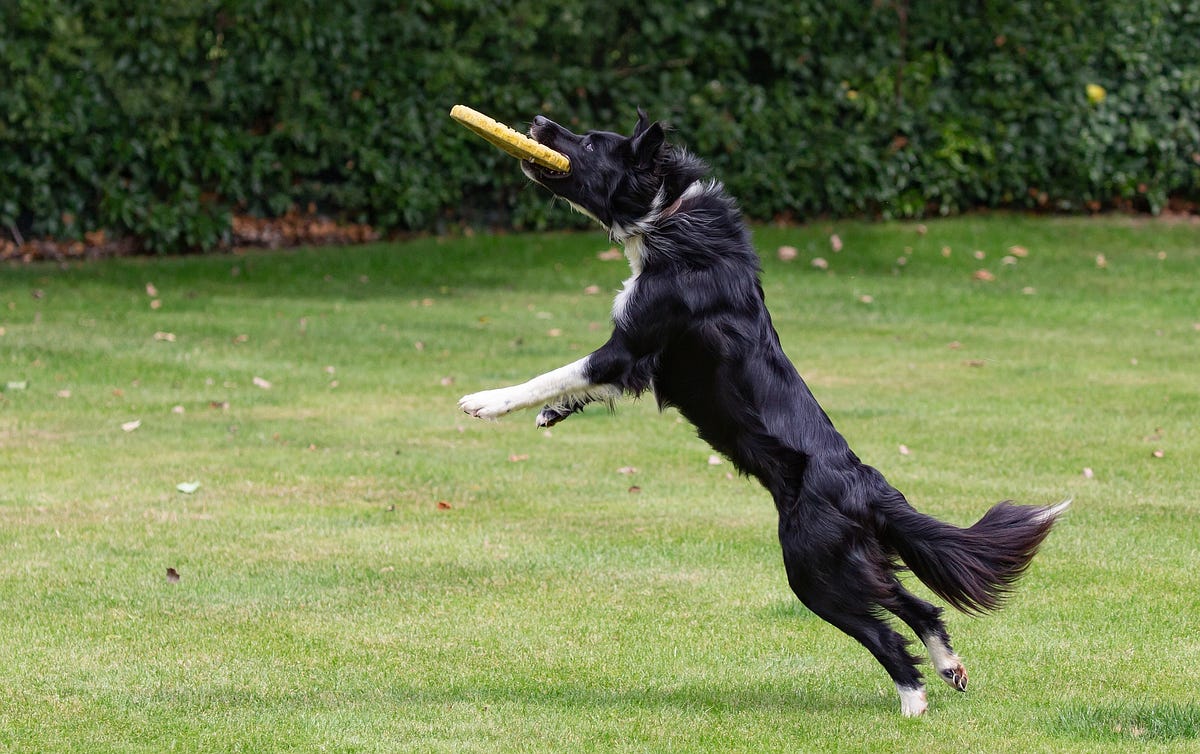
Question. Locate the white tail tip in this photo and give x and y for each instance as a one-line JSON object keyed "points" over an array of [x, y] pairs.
{"points": [[1054, 511]]}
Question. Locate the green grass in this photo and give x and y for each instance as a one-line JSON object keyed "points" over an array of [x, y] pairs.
{"points": [[329, 600]]}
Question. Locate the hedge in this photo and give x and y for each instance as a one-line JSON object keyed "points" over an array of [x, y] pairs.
{"points": [[160, 121]]}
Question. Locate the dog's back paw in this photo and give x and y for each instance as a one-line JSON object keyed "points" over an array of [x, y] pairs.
{"points": [[955, 676], [947, 664], [912, 701], [551, 415]]}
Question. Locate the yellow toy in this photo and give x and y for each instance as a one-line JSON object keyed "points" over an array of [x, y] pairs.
{"points": [[516, 144]]}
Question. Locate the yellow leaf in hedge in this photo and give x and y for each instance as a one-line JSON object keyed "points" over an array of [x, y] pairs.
{"points": [[1096, 93]]}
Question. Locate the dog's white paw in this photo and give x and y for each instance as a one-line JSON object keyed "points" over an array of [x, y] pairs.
{"points": [[955, 676], [912, 701], [489, 404], [949, 667], [550, 416]]}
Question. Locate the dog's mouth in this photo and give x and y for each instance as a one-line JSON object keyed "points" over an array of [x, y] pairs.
{"points": [[545, 138], [543, 172]]}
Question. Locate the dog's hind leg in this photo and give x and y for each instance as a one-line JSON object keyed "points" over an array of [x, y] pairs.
{"points": [[888, 647], [926, 620], [846, 584]]}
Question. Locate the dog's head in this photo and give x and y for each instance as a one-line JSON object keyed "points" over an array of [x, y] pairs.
{"points": [[614, 179]]}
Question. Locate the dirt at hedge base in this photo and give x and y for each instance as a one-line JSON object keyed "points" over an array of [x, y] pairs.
{"points": [[310, 229], [292, 229]]}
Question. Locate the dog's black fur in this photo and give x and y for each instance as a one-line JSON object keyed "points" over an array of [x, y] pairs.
{"points": [[692, 325]]}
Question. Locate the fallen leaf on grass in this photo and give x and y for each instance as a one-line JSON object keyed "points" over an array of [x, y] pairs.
{"points": [[984, 275], [634, 489], [164, 337], [715, 460], [1158, 454], [1088, 473], [787, 253], [975, 363], [627, 470], [442, 505], [261, 383], [591, 290], [172, 576], [820, 263], [16, 385], [518, 457], [835, 243], [611, 255], [1018, 251], [130, 426], [1101, 261], [188, 488], [151, 291], [904, 450], [63, 394]]}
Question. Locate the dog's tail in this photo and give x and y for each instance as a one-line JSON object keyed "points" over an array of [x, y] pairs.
{"points": [[973, 569]]}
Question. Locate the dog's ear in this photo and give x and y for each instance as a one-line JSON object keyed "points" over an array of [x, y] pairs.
{"points": [[646, 141], [643, 122]]}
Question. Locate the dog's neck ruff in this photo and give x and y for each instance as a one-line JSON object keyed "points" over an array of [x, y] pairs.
{"points": [[633, 239], [657, 214]]}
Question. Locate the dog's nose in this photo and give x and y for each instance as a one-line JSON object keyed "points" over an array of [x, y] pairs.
{"points": [[540, 121]]}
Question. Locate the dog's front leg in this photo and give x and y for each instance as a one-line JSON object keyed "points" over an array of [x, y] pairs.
{"points": [[566, 387]]}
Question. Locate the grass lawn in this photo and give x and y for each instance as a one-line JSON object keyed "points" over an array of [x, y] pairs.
{"points": [[363, 568]]}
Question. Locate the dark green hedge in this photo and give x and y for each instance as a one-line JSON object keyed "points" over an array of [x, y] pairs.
{"points": [[160, 120]]}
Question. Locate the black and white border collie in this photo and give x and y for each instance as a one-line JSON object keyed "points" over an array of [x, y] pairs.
{"points": [[691, 324]]}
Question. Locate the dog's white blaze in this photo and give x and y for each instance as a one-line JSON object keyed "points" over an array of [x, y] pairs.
{"points": [[912, 701]]}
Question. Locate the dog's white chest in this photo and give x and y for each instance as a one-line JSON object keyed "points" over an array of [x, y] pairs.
{"points": [[633, 252], [621, 302]]}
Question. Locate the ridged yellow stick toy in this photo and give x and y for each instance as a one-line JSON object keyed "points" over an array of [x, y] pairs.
{"points": [[516, 144]]}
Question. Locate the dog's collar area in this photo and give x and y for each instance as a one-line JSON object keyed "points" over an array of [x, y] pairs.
{"points": [[695, 189], [621, 233], [672, 209]]}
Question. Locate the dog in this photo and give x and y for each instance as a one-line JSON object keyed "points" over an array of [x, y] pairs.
{"points": [[691, 325]]}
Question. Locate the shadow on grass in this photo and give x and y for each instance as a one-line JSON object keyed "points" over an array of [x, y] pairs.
{"points": [[1129, 722], [705, 698]]}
